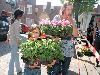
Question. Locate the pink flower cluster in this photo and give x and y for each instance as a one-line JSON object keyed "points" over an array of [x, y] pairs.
{"points": [[55, 23], [61, 22], [45, 22]]}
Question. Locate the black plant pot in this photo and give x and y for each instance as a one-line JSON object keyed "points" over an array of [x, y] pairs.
{"points": [[89, 53]]}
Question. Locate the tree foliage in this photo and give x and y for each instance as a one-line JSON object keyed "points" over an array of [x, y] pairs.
{"points": [[82, 5]]}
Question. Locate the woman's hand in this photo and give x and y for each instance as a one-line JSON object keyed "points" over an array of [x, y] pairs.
{"points": [[75, 31], [53, 62], [70, 19]]}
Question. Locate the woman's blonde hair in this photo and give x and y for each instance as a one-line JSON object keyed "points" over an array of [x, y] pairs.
{"points": [[63, 8]]}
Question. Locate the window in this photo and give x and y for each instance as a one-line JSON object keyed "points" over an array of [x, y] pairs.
{"points": [[22, 7], [29, 21], [44, 7], [36, 9], [28, 1], [52, 7], [7, 0], [29, 9]]}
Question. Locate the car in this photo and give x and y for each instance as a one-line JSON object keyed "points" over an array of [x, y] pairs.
{"points": [[4, 28], [24, 28]]}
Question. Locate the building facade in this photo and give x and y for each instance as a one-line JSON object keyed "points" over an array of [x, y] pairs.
{"points": [[28, 6], [33, 12], [5, 6]]}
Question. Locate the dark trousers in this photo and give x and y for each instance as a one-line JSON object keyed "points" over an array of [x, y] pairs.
{"points": [[61, 67], [55, 70], [97, 46], [28, 71], [65, 65], [90, 39], [97, 61]]}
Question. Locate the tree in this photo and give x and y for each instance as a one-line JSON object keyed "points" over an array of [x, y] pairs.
{"points": [[81, 6]]}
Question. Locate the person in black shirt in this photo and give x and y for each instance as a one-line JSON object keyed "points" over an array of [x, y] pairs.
{"points": [[96, 37]]}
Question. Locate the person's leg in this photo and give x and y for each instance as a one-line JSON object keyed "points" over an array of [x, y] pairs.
{"points": [[27, 71], [65, 65], [11, 63], [55, 70], [97, 62], [36, 72], [17, 62], [97, 46]]}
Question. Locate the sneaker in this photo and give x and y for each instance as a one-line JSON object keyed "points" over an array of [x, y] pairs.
{"points": [[19, 72]]}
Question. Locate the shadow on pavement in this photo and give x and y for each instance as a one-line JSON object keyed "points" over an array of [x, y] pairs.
{"points": [[69, 73], [72, 73], [4, 48], [87, 61]]}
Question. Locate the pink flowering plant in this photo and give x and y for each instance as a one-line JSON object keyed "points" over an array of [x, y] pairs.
{"points": [[46, 26], [60, 28]]}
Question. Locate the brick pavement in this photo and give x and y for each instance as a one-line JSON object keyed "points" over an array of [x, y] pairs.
{"points": [[5, 59], [73, 70], [5, 56]]}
